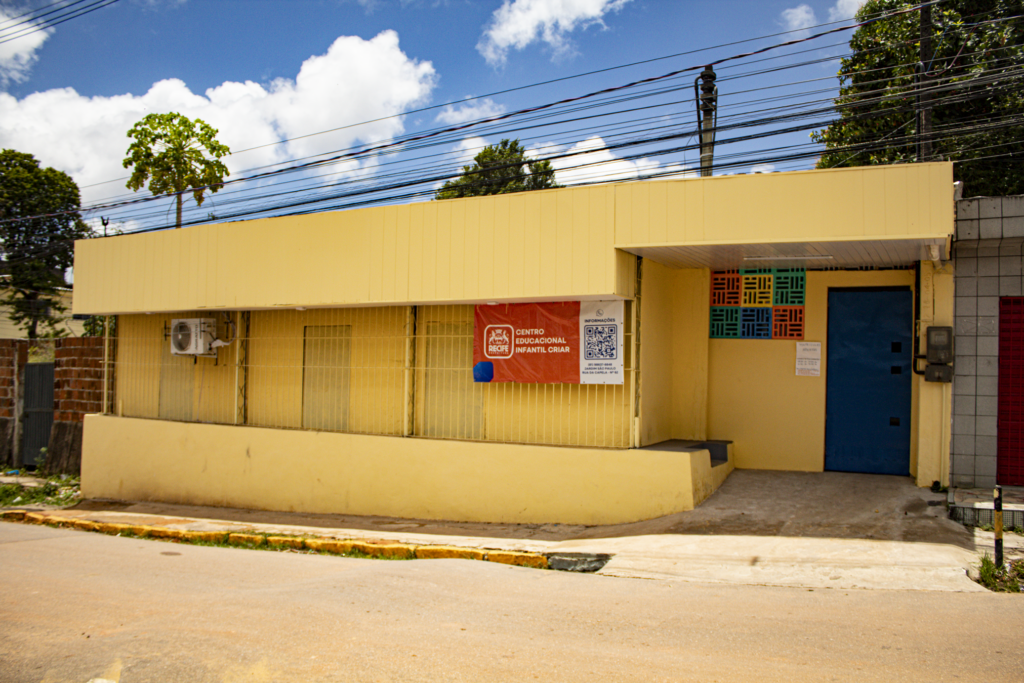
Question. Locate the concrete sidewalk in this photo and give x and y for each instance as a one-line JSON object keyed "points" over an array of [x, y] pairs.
{"points": [[813, 530]]}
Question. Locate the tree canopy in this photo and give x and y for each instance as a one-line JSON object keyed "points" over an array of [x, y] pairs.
{"points": [[170, 152], [974, 82], [500, 169], [38, 251]]}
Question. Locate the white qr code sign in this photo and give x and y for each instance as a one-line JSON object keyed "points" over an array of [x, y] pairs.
{"points": [[601, 342]]}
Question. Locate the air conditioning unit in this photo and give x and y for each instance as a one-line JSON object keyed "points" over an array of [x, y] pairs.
{"points": [[193, 336]]}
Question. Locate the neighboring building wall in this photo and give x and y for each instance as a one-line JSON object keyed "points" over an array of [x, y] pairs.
{"points": [[989, 252], [69, 326], [77, 391], [13, 357]]}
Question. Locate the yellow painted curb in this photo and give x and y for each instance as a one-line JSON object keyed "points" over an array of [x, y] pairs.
{"points": [[447, 552], [206, 536], [246, 539], [388, 550], [84, 525], [518, 559], [330, 545], [285, 542], [164, 532], [398, 551]]}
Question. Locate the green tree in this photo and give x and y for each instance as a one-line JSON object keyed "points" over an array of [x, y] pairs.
{"points": [[977, 101], [170, 152], [94, 326], [39, 222], [500, 169]]}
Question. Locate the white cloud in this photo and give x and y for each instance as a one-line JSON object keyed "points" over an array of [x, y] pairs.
{"points": [[844, 9], [18, 55], [763, 168], [483, 109], [799, 18], [518, 23], [467, 149], [597, 163], [355, 80]]}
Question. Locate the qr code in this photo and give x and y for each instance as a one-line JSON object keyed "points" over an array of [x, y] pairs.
{"points": [[601, 342]]}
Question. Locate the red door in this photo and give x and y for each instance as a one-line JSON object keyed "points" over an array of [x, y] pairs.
{"points": [[1010, 461]]}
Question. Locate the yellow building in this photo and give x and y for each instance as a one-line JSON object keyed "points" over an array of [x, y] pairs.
{"points": [[345, 378], [68, 325]]}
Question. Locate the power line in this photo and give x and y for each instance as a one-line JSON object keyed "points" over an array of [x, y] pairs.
{"points": [[55, 21], [589, 73]]}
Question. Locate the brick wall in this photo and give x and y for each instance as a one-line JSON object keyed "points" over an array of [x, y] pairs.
{"points": [[78, 378], [13, 357], [8, 349]]}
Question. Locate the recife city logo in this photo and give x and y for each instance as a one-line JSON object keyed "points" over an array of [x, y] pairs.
{"points": [[498, 341]]}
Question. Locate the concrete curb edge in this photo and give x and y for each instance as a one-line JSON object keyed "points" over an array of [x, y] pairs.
{"points": [[330, 546]]}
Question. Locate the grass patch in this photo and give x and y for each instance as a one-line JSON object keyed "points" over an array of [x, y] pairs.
{"points": [[55, 491], [1006, 579]]}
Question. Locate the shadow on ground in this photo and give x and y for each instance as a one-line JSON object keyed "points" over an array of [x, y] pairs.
{"points": [[749, 503]]}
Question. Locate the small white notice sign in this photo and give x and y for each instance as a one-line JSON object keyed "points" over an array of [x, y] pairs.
{"points": [[808, 359], [601, 342]]}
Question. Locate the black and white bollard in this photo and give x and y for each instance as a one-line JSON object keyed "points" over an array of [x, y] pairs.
{"points": [[997, 522]]}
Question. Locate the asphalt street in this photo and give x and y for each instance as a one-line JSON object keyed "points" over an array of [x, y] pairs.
{"points": [[80, 607]]}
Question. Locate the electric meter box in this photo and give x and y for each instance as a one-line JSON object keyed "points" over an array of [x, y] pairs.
{"points": [[938, 372], [940, 344]]}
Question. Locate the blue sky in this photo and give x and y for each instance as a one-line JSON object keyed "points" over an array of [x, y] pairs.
{"points": [[266, 70]]}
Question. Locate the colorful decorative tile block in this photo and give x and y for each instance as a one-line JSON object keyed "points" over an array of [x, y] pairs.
{"points": [[725, 322], [726, 289], [756, 323], [757, 290], [789, 287], [758, 303], [788, 322]]}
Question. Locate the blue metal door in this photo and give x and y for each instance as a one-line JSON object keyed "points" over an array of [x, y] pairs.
{"points": [[867, 414]]}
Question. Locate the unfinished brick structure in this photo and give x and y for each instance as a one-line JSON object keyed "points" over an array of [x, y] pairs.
{"points": [[13, 357], [78, 390]]}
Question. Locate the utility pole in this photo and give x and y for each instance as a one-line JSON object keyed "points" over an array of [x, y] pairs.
{"points": [[706, 94], [924, 115]]}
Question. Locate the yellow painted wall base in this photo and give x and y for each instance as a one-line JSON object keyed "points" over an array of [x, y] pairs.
{"points": [[706, 479], [328, 472]]}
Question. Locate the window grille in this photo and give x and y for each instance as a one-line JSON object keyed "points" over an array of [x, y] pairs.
{"points": [[396, 371]]}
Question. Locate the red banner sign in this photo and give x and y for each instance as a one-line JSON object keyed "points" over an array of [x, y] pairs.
{"points": [[537, 343]]}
